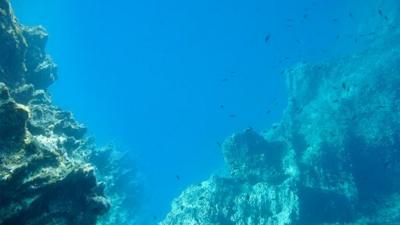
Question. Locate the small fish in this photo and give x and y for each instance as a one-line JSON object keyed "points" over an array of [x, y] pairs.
{"points": [[335, 20], [380, 12], [219, 144], [337, 36], [344, 86], [222, 107], [268, 111], [224, 80], [267, 38], [178, 177], [351, 15], [305, 16], [232, 115]]}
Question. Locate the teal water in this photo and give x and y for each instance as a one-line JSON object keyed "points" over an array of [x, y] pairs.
{"points": [[169, 80]]}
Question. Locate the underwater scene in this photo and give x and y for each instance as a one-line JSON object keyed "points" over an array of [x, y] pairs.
{"points": [[202, 112]]}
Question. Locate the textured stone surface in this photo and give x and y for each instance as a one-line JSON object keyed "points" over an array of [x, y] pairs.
{"points": [[44, 178]]}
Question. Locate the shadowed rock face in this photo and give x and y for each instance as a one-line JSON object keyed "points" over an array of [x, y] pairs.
{"points": [[43, 176], [333, 159]]}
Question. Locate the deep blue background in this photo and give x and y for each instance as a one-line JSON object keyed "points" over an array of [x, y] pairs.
{"points": [[151, 75]]}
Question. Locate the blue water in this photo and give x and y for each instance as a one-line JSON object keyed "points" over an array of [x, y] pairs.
{"points": [[168, 80]]}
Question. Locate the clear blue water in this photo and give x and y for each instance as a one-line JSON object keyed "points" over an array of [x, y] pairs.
{"points": [[168, 80]]}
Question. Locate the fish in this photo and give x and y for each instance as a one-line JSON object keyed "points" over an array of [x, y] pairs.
{"points": [[380, 12], [267, 38]]}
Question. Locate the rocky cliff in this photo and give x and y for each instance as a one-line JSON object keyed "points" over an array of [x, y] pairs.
{"points": [[333, 159], [44, 178]]}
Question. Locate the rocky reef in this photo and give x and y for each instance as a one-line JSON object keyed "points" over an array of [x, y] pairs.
{"points": [[333, 159], [47, 165]]}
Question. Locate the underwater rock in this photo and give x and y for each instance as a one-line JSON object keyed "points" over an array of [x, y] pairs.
{"points": [[333, 159], [249, 156], [42, 72], [12, 47], [123, 186], [13, 118], [44, 175], [24, 93]]}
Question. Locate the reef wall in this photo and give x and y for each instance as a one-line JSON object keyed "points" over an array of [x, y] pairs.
{"points": [[333, 159], [44, 174]]}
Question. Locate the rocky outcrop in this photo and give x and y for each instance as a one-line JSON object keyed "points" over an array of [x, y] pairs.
{"points": [[333, 159], [44, 178], [124, 185]]}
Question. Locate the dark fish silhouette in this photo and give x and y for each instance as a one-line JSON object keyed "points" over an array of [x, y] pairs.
{"points": [[351, 15], [178, 177], [222, 107], [232, 115], [267, 38]]}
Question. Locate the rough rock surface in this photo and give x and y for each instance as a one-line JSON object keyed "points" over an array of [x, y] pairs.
{"points": [[43, 177], [333, 159]]}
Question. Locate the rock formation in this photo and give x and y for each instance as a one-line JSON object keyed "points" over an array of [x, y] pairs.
{"points": [[333, 159], [44, 178]]}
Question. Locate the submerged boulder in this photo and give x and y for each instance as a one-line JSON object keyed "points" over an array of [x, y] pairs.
{"points": [[258, 191], [249, 156]]}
